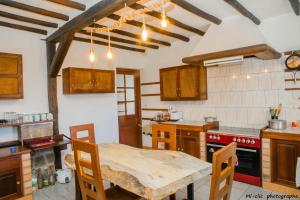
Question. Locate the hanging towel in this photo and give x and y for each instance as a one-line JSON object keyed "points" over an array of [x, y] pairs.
{"points": [[298, 173]]}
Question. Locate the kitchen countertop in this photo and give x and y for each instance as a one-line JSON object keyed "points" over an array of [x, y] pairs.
{"points": [[290, 133], [289, 130], [249, 132], [186, 123], [5, 152]]}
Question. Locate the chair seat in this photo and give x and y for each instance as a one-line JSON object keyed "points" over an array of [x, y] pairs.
{"points": [[117, 193]]}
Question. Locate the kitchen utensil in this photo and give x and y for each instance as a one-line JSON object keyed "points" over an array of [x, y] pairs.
{"points": [[278, 124], [210, 119], [278, 111], [293, 62]]}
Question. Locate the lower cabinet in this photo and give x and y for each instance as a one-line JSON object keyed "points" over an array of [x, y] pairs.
{"points": [[10, 178], [284, 161], [189, 142]]}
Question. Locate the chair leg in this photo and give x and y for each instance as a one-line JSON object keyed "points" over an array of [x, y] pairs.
{"points": [[172, 197]]}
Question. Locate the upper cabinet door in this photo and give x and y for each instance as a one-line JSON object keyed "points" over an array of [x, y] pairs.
{"points": [[77, 80], [168, 84], [11, 80], [188, 82], [104, 81]]}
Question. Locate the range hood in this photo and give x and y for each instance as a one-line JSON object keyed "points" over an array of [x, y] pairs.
{"points": [[261, 51], [223, 61]]}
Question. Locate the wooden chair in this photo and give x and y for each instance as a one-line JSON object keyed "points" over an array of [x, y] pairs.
{"points": [[74, 132], [168, 138], [225, 155], [89, 175]]}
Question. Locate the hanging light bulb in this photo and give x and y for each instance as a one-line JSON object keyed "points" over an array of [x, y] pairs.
{"points": [[144, 32], [92, 54], [164, 22], [109, 54]]}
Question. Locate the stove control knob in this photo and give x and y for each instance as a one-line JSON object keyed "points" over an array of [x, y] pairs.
{"points": [[238, 140], [214, 137], [252, 141], [234, 139], [218, 138], [210, 137], [248, 141], [243, 140]]}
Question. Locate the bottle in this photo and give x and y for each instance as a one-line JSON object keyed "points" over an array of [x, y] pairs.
{"points": [[51, 176], [46, 178], [34, 180], [39, 179]]}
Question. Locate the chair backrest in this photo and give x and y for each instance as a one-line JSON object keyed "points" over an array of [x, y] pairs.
{"points": [[219, 175], [165, 134], [87, 162], [75, 130]]}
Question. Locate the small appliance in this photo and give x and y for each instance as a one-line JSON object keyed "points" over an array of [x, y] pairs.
{"points": [[176, 116], [64, 176]]}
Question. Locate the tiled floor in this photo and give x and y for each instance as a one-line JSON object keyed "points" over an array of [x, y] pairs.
{"points": [[239, 192]]}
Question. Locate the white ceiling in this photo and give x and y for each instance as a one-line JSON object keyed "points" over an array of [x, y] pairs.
{"points": [[263, 9]]}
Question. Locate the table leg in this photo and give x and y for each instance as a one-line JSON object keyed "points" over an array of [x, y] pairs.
{"points": [[190, 191], [77, 188]]}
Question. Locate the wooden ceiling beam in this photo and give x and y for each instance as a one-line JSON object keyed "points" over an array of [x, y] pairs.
{"points": [[23, 28], [241, 9], [152, 28], [70, 4], [296, 6], [135, 36], [33, 9], [171, 20], [117, 39], [98, 11], [112, 44], [60, 55], [193, 9], [28, 19]]}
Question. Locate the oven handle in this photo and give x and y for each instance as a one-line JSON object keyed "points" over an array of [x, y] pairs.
{"points": [[240, 149]]}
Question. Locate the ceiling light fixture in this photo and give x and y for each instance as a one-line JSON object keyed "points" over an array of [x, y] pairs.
{"points": [[144, 31], [164, 22], [109, 54]]}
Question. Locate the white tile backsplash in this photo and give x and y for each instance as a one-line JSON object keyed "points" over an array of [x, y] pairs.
{"points": [[238, 101]]}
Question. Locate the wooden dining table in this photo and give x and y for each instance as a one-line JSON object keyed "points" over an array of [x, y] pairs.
{"points": [[151, 174]]}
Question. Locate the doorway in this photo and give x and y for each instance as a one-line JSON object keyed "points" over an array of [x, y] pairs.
{"points": [[129, 107]]}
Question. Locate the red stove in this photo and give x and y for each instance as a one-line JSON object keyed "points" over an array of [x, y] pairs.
{"points": [[248, 169]]}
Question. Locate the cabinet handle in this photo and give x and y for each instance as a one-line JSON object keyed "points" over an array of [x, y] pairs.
{"points": [[178, 149], [188, 133], [182, 149], [18, 182]]}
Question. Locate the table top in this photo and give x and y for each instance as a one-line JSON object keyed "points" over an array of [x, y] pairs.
{"points": [[152, 174]]}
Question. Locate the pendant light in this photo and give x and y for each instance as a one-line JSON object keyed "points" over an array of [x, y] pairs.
{"points": [[92, 54], [109, 54], [144, 31], [164, 22]]}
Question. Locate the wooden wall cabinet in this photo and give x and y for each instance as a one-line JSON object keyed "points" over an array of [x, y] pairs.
{"points": [[188, 82], [284, 161], [188, 142], [11, 78], [83, 80]]}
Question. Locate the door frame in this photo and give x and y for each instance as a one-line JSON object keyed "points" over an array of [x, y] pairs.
{"points": [[137, 86]]}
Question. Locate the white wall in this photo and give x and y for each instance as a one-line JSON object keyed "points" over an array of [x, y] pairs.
{"points": [[34, 75]]}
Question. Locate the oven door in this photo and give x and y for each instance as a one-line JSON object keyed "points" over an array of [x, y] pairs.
{"points": [[248, 159]]}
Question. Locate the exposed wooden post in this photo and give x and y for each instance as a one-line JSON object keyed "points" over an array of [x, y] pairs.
{"points": [[241, 9], [60, 54], [52, 100], [296, 6]]}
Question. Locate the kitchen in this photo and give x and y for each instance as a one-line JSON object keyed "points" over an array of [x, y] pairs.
{"points": [[237, 94]]}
